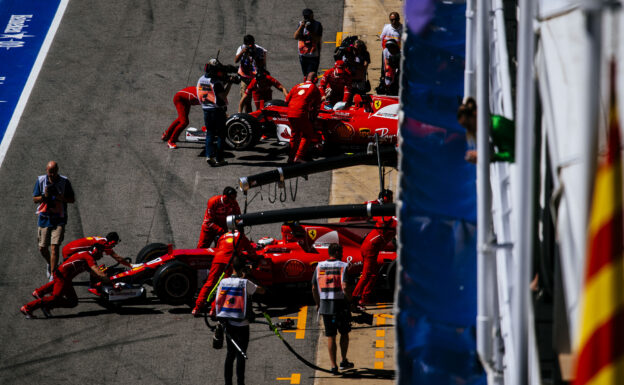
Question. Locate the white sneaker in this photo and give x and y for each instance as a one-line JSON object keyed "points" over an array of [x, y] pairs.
{"points": [[48, 271]]}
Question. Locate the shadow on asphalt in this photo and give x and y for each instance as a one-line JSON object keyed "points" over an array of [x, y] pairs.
{"points": [[381, 374]]}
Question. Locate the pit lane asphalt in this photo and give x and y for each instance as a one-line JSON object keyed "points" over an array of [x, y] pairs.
{"points": [[100, 104]]}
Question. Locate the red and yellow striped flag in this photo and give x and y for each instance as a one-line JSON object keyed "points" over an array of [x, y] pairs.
{"points": [[601, 340]]}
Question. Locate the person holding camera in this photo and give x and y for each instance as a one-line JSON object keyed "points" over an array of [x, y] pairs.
{"points": [[212, 95], [261, 90], [358, 63], [252, 58], [52, 193], [233, 310], [309, 33], [331, 294]]}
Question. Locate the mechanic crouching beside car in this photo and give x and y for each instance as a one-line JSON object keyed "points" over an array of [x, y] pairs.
{"points": [[61, 289], [304, 101]]}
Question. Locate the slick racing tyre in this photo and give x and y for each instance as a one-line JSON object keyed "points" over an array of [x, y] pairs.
{"points": [[276, 102], [242, 132], [175, 283], [151, 252]]}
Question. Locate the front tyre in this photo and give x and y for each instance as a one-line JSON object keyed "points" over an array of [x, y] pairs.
{"points": [[175, 283], [151, 252], [242, 132]]}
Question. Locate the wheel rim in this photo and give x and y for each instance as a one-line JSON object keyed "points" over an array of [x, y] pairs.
{"points": [[238, 133], [177, 285]]}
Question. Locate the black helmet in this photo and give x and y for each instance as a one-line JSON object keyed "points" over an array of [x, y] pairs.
{"points": [[97, 246], [113, 237], [229, 191], [386, 195]]}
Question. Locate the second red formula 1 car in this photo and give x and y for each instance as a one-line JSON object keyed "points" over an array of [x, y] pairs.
{"points": [[289, 262], [345, 128]]}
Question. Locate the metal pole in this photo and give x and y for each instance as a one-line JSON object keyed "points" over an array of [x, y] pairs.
{"points": [[592, 10], [524, 191], [486, 264], [469, 75], [503, 58]]}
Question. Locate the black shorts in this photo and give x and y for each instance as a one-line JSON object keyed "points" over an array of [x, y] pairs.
{"points": [[339, 322]]}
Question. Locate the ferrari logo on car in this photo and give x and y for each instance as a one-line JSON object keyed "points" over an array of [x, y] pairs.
{"points": [[377, 104], [312, 234]]}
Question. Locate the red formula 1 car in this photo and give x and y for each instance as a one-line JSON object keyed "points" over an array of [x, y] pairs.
{"points": [[345, 128], [175, 274]]}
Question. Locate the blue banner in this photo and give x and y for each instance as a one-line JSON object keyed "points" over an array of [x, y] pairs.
{"points": [[437, 296], [24, 27]]}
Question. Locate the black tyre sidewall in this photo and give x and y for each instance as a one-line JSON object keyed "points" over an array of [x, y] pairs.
{"points": [[244, 123], [151, 252], [166, 276]]}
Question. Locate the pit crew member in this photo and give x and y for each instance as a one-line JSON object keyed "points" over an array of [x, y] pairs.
{"points": [[303, 100], [84, 244], [336, 84], [52, 193], [330, 292], [308, 34], [232, 308], [61, 290], [229, 244], [392, 63], [212, 95], [251, 57], [217, 211], [182, 100], [375, 241], [260, 89]]}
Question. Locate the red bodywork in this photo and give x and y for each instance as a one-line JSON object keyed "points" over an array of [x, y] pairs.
{"points": [[289, 261], [356, 125]]}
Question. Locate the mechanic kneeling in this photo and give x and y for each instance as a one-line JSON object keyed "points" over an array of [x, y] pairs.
{"points": [[61, 290], [233, 309]]}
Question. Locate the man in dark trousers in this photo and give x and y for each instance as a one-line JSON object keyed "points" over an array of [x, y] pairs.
{"points": [[308, 34], [61, 289], [331, 294], [232, 308]]}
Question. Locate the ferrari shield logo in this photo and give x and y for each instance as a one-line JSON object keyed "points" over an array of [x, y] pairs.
{"points": [[377, 104], [312, 234]]}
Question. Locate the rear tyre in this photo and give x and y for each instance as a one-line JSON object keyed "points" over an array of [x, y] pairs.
{"points": [[242, 132], [150, 252], [175, 283]]}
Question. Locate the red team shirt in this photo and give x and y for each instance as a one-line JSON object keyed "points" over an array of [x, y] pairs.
{"points": [[302, 99]]}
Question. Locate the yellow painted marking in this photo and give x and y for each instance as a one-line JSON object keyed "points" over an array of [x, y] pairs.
{"points": [[380, 343], [294, 379], [378, 365], [381, 333], [379, 354], [381, 321], [301, 324], [338, 39]]}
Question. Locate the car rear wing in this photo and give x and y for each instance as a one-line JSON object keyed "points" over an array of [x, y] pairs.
{"points": [[387, 154], [306, 213]]}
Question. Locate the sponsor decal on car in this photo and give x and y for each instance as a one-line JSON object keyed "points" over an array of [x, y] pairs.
{"points": [[364, 132], [377, 104], [344, 130], [312, 234]]}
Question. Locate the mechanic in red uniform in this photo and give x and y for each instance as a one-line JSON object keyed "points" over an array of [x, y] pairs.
{"points": [[84, 244], [336, 84], [375, 241], [303, 100], [183, 100], [219, 207], [225, 251], [61, 290], [260, 89]]}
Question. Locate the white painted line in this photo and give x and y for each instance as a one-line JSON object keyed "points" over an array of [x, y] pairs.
{"points": [[30, 83]]}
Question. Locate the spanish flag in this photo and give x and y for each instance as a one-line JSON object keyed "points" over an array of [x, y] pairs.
{"points": [[601, 341]]}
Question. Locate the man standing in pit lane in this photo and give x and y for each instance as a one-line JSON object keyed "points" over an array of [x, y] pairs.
{"points": [[212, 95], [252, 58], [375, 241], [182, 100], [217, 211], [393, 30], [231, 308], [85, 244], [308, 34], [61, 289], [261, 90], [52, 193], [230, 244], [304, 101], [336, 84], [331, 294]]}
